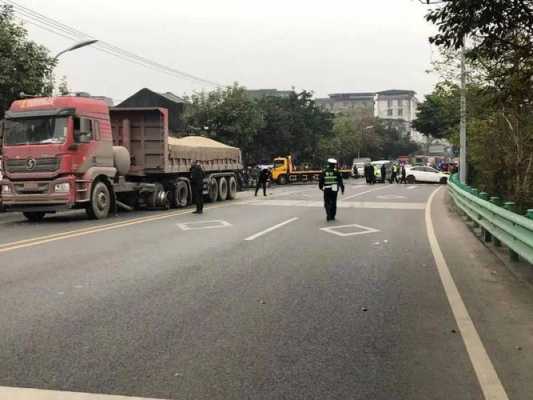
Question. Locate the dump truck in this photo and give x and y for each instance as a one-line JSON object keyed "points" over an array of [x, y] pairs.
{"points": [[284, 171], [72, 152]]}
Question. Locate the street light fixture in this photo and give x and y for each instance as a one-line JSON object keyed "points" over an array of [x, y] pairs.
{"points": [[76, 46]]}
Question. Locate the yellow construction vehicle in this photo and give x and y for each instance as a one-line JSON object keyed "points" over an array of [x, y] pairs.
{"points": [[284, 172]]}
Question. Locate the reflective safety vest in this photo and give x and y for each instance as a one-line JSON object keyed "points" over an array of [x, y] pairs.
{"points": [[330, 178]]}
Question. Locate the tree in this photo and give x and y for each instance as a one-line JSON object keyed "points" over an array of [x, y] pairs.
{"points": [[228, 114], [63, 87], [499, 122], [25, 66], [438, 115]]}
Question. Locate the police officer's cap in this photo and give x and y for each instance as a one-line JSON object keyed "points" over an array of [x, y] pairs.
{"points": [[332, 161]]}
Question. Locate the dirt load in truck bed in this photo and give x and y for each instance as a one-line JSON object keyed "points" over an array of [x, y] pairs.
{"points": [[202, 149]]}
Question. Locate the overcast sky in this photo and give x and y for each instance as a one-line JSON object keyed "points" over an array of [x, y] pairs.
{"points": [[326, 46]]}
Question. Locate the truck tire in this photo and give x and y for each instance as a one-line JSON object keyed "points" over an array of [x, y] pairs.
{"points": [[180, 196], [222, 189], [101, 201], [212, 187], [34, 216], [232, 188], [282, 180], [158, 198], [443, 181], [411, 179]]}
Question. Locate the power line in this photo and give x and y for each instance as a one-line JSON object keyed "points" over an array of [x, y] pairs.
{"points": [[58, 28]]}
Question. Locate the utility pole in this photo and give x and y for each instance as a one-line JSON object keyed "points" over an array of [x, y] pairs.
{"points": [[462, 127]]}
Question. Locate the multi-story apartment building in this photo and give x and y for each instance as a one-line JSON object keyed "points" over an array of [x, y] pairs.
{"points": [[398, 107]]}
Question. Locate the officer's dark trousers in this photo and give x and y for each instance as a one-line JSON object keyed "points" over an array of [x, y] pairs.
{"points": [[198, 197], [259, 185], [330, 203]]}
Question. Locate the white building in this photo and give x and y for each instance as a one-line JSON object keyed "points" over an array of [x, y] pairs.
{"points": [[399, 107]]}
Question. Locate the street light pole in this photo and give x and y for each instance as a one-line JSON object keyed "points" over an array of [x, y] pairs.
{"points": [[463, 173], [75, 46]]}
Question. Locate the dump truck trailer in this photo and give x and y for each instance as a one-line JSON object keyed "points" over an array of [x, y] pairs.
{"points": [[284, 171], [76, 153]]}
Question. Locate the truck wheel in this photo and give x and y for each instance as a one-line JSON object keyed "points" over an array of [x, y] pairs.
{"points": [[212, 188], [411, 179], [100, 203], [34, 216], [180, 196], [158, 198], [222, 189], [232, 188], [282, 180], [443, 181]]}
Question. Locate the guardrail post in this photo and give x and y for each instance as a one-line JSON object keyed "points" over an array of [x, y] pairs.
{"points": [[487, 237], [510, 205], [498, 202], [475, 192]]}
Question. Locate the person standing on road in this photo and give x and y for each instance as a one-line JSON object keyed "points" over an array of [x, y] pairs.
{"points": [[394, 174], [262, 181], [403, 175], [330, 182], [197, 186], [383, 173]]}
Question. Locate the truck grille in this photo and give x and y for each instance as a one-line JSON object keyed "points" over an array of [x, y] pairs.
{"points": [[31, 188], [39, 165]]}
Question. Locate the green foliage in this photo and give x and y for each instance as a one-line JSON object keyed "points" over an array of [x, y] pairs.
{"points": [[264, 128], [363, 135], [24, 65], [499, 94], [438, 114]]}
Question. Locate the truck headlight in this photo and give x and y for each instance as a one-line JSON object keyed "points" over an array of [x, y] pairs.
{"points": [[62, 187], [6, 189]]}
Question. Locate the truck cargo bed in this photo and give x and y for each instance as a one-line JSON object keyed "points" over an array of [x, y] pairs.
{"points": [[144, 132]]}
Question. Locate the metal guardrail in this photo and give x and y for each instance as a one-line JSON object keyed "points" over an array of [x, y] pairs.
{"points": [[496, 220]]}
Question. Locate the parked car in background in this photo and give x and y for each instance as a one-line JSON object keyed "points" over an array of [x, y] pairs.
{"points": [[422, 173]]}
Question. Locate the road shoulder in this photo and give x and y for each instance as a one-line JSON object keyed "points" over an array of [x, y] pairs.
{"points": [[498, 303]]}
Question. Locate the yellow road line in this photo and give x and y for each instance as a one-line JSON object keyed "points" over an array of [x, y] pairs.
{"points": [[94, 229]]}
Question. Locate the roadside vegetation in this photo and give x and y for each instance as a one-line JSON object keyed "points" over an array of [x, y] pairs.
{"points": [[499, 92]]}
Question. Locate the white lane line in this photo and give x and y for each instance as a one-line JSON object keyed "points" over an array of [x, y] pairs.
{"points": [[411, 187], [491, 385], [13, 393], [258, 234], [344, 204], [362, 193]]}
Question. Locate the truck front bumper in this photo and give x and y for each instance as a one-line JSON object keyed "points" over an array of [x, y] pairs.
{"points": [[39, 195]]}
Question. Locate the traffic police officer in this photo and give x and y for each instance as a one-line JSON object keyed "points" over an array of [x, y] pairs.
{"points": [[197, 186], [330, 182]]}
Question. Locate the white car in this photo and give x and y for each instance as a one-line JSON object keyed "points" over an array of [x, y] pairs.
{"points": [[425, 174]]}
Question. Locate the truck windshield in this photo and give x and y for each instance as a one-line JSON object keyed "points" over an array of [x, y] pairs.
{"points": [[41, 130], [279, 163]]}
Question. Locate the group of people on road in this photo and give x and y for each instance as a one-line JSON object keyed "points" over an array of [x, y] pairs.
{"points": [[398, 173]]}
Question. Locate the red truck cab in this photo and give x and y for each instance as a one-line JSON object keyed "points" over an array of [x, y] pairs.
{"points": [[53, 148]]}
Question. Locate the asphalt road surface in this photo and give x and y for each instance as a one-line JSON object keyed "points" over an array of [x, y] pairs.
{"points": [[261, 298]]}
